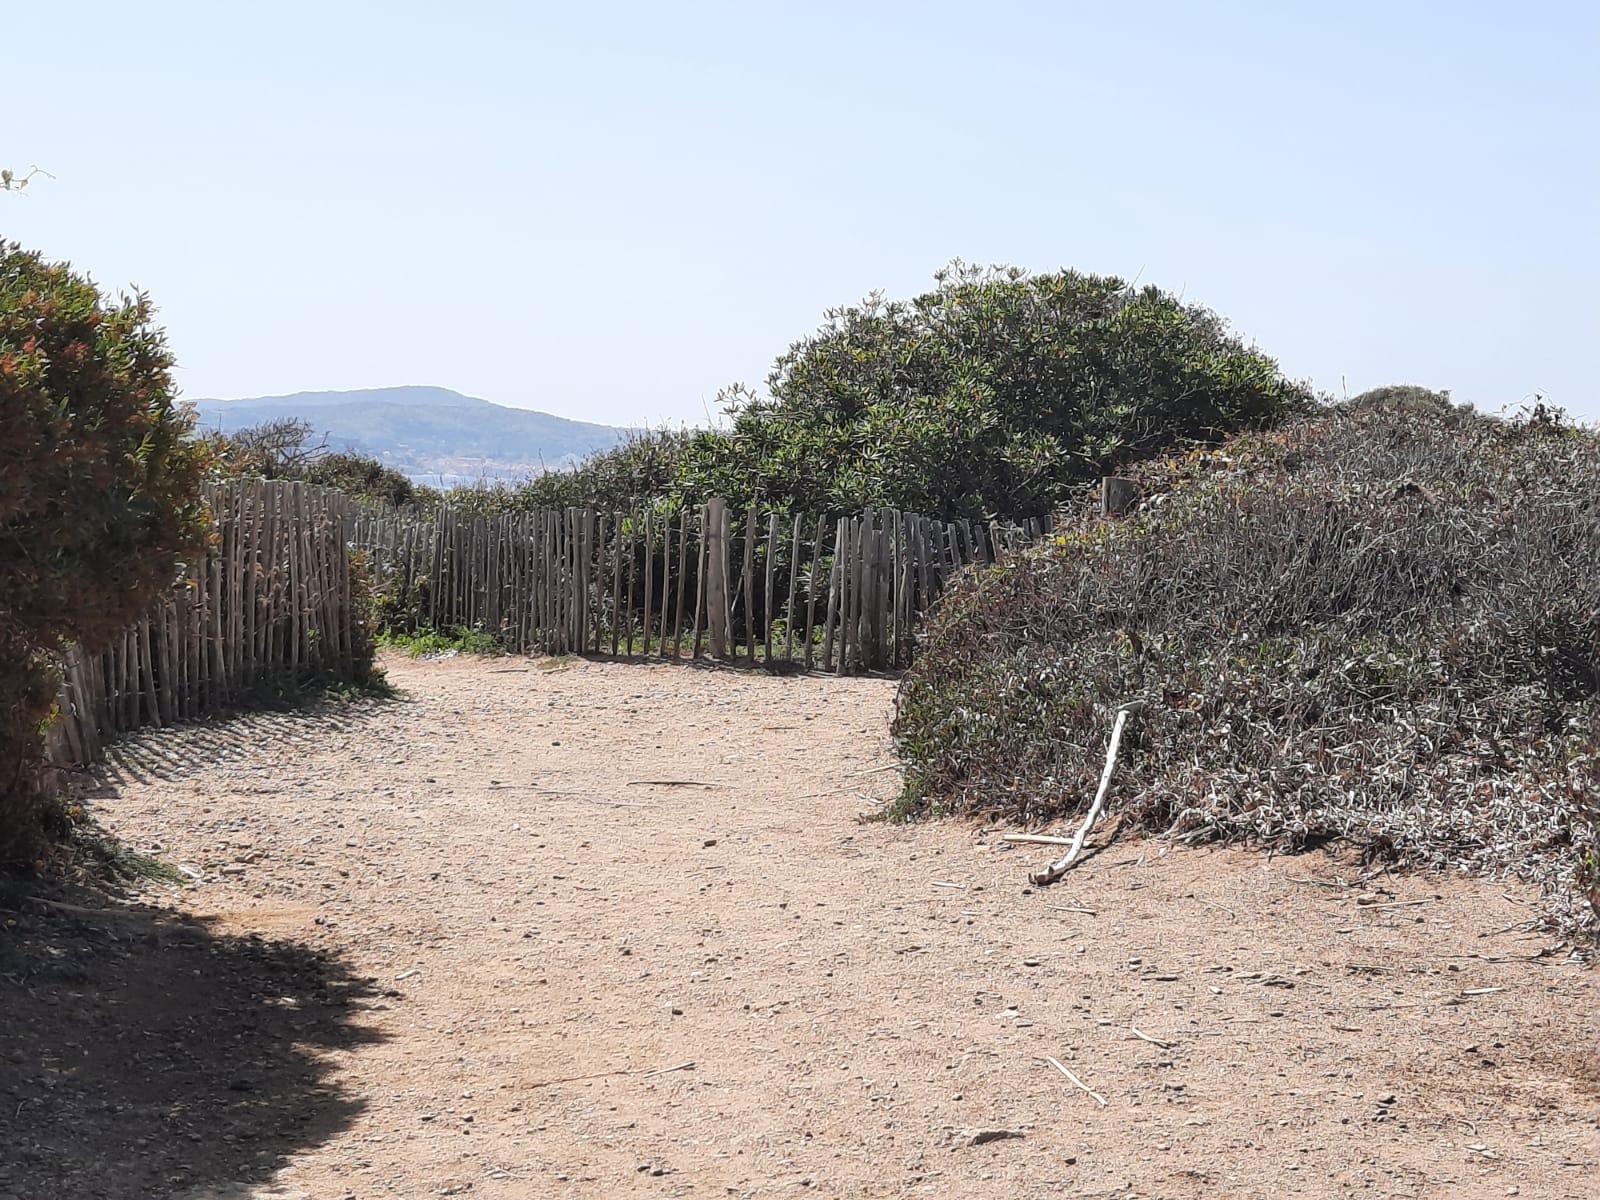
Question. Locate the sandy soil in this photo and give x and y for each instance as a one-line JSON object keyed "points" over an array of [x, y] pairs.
{"points": [[601, 930]]}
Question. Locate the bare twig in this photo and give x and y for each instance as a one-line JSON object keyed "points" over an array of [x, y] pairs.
{"points": [[1146, 1037], [1076, 1082], [687, 1065]]}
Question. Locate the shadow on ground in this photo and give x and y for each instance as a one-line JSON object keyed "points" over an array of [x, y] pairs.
{"points": [[143, 1054], [181, 750]]}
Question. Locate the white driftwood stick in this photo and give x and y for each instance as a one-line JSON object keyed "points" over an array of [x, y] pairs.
{"points": [[1060, 867], [1098, 1098], [1036, 839]]}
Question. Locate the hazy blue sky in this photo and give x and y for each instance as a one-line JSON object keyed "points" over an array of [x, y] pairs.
{"points": [[608, 211]]}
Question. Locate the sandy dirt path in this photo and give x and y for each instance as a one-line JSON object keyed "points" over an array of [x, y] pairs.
{"points": [[602, 930]]}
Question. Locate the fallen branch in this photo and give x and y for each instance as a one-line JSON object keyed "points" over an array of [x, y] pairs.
{"points": [[576, 795], [79, 910], [544, 1083], [1063, 864], [1036, 839], [1232, 916], [683, 1066], [1098, 1098], [1153, 1041]]}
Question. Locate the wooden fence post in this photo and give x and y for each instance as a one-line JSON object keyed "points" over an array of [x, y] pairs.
{"points": [[1117, 496], [717, 576]]}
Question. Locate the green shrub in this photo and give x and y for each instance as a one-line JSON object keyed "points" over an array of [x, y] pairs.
{"points": [[361, 476], [644, 468], [284, 449], [1379, 624], [998, 393], [99, 487]]}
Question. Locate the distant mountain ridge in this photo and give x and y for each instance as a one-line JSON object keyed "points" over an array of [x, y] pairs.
{"points": [[430, 434]]}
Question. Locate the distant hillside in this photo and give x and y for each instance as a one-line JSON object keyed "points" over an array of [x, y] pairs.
{"points": [[430, 434]]}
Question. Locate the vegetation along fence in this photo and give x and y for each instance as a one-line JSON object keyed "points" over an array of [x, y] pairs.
{"points": [[779, 588], [272, 598]]}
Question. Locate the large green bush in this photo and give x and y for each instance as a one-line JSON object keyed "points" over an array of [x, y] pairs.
{"points": [[99, 488], [1379, 624], [644, 468], [998, 393]]}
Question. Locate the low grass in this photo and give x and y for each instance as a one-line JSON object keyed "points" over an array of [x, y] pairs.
{"points": [[426, 643]]}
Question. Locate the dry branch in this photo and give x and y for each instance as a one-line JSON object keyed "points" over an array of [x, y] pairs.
{"points": [[1076, 1082], [1062, 865]]}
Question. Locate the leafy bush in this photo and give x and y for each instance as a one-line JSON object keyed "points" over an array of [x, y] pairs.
{"points": [[996, 394], [286, 449], [99, 486], [644, 468], [1380, 624], [358, 475]]}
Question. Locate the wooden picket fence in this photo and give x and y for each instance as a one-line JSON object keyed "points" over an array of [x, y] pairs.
{"points": [[779, 588], [273, 597], [269, 600]]}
